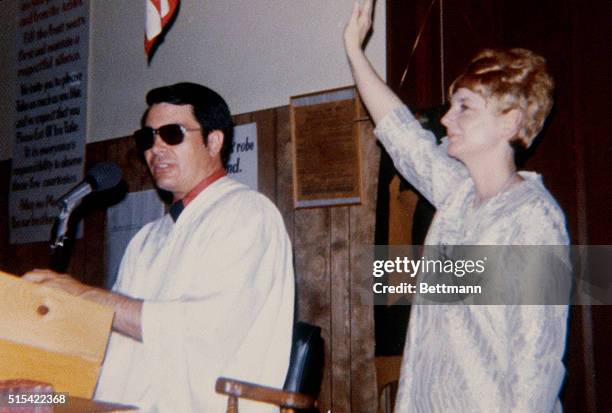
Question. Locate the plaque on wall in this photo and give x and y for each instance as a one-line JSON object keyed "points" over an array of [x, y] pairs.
{"points": [[326, 150]]}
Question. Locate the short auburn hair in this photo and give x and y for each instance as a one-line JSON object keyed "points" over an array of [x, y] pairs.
{"points": [[517, 79]]}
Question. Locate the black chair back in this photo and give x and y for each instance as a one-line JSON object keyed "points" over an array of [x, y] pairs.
{"points": [[306, 363]]}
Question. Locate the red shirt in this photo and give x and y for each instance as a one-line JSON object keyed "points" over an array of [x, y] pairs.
{"points": [[177, 207]]}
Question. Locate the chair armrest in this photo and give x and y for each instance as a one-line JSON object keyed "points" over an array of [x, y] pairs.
{"points": [[270, 395]]}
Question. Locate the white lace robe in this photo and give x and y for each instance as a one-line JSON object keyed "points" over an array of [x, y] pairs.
{"points": [[218, 290], [477, 358]]}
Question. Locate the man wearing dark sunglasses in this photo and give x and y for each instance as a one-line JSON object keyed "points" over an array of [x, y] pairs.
{"points": [[205, 291]]}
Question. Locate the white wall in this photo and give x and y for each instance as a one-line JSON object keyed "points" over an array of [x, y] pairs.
{"points": [[256, 53]]}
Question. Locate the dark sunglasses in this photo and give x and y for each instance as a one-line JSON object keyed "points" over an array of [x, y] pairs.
{"points": [[172, 134]]}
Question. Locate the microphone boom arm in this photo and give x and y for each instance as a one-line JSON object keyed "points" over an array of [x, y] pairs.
{"points": [[100, 177], [60, 226]]}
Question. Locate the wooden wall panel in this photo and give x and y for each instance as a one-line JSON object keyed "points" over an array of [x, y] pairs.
{"points": [[284, 177], [312, 266], [362, 223], [340, 337]]}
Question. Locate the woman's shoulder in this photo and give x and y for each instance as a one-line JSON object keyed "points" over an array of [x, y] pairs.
{"points": [[537, 209], [535, 195]]}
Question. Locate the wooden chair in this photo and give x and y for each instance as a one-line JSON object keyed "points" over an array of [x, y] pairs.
{"points": [[303, 379], [388, 369]]}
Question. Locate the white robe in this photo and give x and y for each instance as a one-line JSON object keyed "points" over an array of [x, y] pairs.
{"points": [[218, 291], [477, 358]]}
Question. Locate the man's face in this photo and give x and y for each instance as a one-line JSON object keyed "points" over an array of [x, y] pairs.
{"points": [[179, 168]]}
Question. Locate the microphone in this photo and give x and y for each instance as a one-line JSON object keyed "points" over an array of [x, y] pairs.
{"points": [[100, 177]]}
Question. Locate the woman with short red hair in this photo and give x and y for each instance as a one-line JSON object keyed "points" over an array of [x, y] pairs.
{"points": [[476, 358]]}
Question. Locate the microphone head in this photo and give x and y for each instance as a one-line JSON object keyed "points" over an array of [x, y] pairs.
{"points": [[103, 176]]}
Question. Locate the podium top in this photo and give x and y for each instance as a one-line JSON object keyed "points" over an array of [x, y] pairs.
{"points": [[51, 336], [50, 319]]}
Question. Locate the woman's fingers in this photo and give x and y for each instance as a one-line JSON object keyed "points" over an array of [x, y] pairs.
{"points": [[359, 23], [364, 19], [366, 12], [355, 13]]}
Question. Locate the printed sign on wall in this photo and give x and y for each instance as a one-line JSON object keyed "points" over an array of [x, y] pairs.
{"points": [[51, 101], [242, 164]]}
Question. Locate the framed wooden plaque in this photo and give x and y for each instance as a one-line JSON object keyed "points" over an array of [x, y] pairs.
{"points": [[326, 150]]}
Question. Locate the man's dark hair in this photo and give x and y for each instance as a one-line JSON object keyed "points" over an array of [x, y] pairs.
{"points": [[209, 109]]}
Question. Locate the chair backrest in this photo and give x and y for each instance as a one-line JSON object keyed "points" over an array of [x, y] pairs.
{"points": [[306, 363]]}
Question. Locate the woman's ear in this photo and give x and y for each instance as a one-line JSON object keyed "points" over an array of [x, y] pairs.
{"points": [[512, 122], [215, 142]]}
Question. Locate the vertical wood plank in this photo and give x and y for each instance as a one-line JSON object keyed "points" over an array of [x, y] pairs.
{"points": [[266, 141], [135, 173], [90, 268], [362, 222], [284, 168], [340, 311], [312, 266]]}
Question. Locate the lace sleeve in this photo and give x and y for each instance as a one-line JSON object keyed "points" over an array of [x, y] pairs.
{"points": [[418, 157]]}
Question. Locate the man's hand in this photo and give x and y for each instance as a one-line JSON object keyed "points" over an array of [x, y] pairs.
{"points": [[358, 25], [128, 311], [53, 279]]}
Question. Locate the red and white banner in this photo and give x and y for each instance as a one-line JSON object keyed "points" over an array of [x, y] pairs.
{"points": [[159, 13]]}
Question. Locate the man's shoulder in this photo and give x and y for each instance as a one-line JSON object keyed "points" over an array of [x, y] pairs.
{"points": [[237, 209], [240, 196], [233, 204]]}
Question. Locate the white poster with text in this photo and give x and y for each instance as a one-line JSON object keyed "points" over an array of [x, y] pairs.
{"points": [[51, 100], [242, 164]]}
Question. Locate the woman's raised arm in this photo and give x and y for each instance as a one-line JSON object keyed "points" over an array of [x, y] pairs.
{"points": [[378, 98]]}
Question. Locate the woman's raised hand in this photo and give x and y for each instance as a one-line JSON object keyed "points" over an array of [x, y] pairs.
{"points": [[375, 94], [358, 25]]}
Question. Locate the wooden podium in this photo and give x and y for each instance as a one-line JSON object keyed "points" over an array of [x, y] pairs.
{"points": [[50, 336]]}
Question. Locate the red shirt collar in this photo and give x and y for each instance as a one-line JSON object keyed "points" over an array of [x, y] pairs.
{"points": [[204, 183]]}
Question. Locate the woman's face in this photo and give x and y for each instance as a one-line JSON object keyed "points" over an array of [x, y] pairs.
{"points": [[473, 126]]}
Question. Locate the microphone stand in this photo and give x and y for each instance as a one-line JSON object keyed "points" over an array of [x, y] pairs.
{"points": [[60, 253], [100, 177]]}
